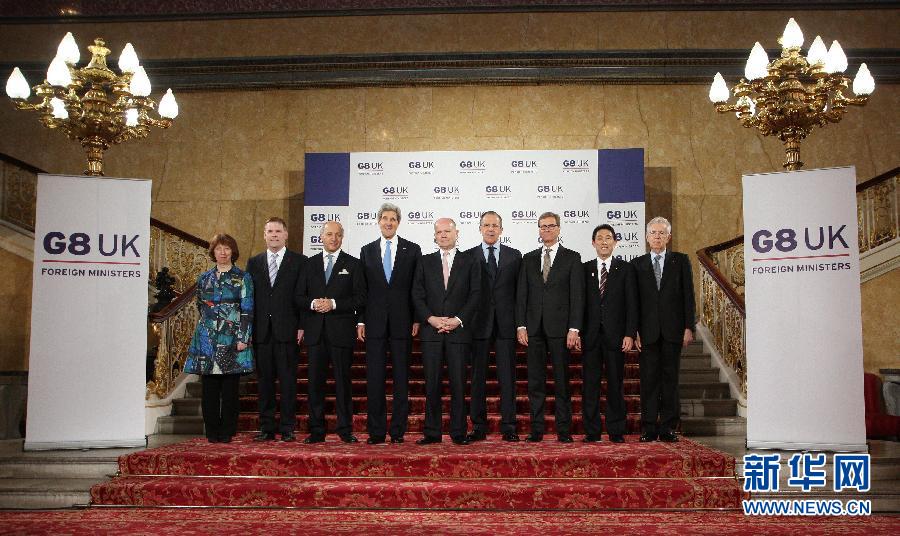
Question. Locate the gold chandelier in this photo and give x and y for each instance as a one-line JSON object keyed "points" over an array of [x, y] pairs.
{"points": [[790, 95], [94, 105]]}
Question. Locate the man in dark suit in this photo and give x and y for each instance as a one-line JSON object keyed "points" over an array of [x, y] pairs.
{"points": [[610, 325], [446, 292], [333, 294], [549, 310], [666, 289], [276, 329], [495, 324], [389, 265]]}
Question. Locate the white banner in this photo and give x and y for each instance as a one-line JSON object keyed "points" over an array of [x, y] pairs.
{"points": [[519, 185], [804, 329], [87, 366]]}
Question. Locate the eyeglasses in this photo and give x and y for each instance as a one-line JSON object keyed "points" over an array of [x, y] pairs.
{"points": [[658, 233], [548, 227]]}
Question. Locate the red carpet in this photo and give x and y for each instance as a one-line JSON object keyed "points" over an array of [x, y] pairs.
{"points": [[241, 522], [489, 475]]}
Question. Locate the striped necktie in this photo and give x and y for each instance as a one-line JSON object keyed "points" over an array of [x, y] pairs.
{"points": [[603, 275], [273, 268]]}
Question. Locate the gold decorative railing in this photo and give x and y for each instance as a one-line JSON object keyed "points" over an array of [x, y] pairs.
{"points": [[722, 269], [877, 210], [18, 192], [186, 258]]}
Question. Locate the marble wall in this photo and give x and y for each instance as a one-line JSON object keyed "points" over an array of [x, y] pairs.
{"points": [[233, 158]]}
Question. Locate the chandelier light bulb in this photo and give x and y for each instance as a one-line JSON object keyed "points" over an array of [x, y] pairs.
{"points": [[131, 117], [792, 36], [836, 60], [128, 60], [59, 108], [68, 49], [168, 108], [863, 83], [817, 52], [58, 73], [757, 63], [140, 84], [16, 85], [718, 92]]}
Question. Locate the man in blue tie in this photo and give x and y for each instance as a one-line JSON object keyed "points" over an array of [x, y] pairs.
{"points": [[389, 264], [666, 293]]}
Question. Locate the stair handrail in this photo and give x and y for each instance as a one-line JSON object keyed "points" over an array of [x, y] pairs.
{"points": [[722, 269], [183, 254]]}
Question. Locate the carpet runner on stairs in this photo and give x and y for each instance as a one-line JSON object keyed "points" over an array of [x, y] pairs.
{"points": [[488, 475]]}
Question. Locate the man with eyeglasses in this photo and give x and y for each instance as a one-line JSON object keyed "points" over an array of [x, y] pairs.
{"points": [[549, 311], [666, 293], [495, 325]]}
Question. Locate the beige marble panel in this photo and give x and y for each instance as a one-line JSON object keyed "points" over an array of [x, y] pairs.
{"points": [[881, 331], [453, 110], [335, 114], [559, 31], [15, 315], [559, 110], [632, 30], [398, 113], [553, 143], [484, 143], [495, 110], [491, 32], [624, 122]]}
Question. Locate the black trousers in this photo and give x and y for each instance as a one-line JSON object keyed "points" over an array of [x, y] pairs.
{"points": [[340, 357], [505, 355], [279, 360], [433, 355], [220, 404], [593, 362], [660, 362], [376, 372], [539, 346]]}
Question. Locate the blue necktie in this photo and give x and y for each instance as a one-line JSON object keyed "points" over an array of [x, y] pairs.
{"points": [[386, 261], [329, 268]]}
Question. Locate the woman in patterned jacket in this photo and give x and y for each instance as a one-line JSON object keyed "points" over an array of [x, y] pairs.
{"points": [[220, 350]]}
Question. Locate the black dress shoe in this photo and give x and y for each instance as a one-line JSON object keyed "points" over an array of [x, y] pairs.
{"points": [[534, 437], [512, 437], [212, 439], [428, 440], [311, 439], [349, 438], [647, 438], [616, 438], [264, 436], [564, 438], [461, 440], [592, 438], [289, 437], [668, 437], [398, 439], [476, 436], [225, 439], [375, 440]]}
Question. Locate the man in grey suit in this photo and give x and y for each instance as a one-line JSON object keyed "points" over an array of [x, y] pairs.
{"points": [[666, 290], [549, 312], [495, 324], [389, 264]]}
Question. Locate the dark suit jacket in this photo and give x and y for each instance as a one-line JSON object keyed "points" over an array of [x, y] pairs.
{"points": [[559, 302], [498, 295], [666, 312], [617, 312], [273, 306], [347, 287], [389, 303], [460, 299]]}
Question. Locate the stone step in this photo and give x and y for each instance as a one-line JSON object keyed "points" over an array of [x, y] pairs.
{"points": [[714, 426], [57, 467], [694, 407], [42, 493], [704, 390], [691, 376], [696, 362]]}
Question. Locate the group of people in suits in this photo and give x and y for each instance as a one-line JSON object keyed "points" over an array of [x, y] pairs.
{"points": [[462, 304]]}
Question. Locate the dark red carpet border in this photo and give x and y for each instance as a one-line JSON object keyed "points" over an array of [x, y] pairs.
{"points": [[240, 522]]}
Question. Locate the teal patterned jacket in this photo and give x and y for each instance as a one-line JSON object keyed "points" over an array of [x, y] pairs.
{"points": [[226, 318]]}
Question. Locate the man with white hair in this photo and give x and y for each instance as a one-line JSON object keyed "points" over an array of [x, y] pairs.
{"points": [[666, 293]]}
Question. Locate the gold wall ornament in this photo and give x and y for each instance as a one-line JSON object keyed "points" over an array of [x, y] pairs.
{"points": [[18, 195], [792, 94], [93, 105]]}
